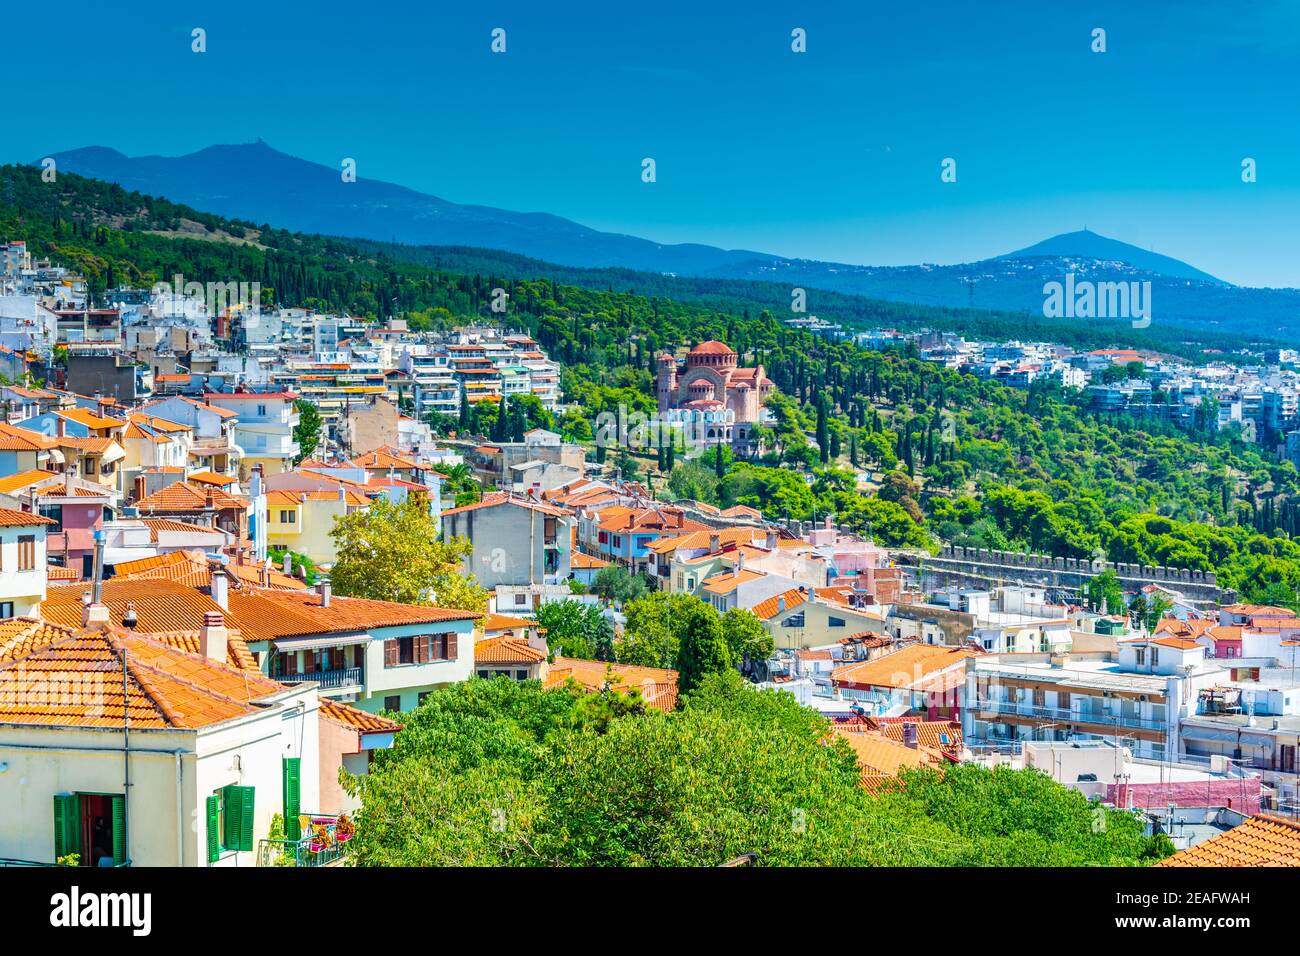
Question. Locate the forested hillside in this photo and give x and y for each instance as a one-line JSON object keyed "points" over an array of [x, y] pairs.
{"points": [[952, 458]]}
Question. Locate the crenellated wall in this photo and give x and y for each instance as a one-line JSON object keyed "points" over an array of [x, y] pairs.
{"points": [[980, 566]]}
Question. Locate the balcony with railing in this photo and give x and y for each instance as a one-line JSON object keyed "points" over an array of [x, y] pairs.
{"points": [[1082, 716], [343, 677], [325, 841]]}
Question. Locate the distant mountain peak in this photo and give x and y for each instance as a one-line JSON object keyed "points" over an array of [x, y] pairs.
{"points": [[1085, 243]]}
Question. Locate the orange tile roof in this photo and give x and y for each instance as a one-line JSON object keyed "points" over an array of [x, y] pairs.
{"points": [[727, 581], [580, 561], [909, 667], [22, 479], [929, 733], [160, 605], [1267, 610], [1191, 628], [191, 569], [20, 636], [181, 496], [57, 573], [703, 539], [1176, 643], [295, 498], [506, 649], [165, 687], [771, 607], [498, 622], [658, 686], [61, 491], [266, 615], [356, 719], [170, 524], [212, 478], [496, 498], [1263, 840], [383, 458], [661, 520], [21, 519], [84, 416], [90, 446], [877, 754], [13, 438], [237, 653]]}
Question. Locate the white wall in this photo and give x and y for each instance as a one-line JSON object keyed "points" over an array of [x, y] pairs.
{"points": [[408, 680], [39, 762], [25, 588]]}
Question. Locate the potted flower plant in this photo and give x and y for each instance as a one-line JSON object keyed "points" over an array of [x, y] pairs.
{"points": [[320, 837]]}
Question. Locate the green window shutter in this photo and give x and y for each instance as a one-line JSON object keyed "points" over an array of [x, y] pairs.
{"points": [[291, 771], [214, 838], [67, 824], [246, 818], [232, 807], [119, 831]]}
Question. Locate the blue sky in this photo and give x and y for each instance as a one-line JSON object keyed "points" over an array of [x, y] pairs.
{"points": [[832, 154]]}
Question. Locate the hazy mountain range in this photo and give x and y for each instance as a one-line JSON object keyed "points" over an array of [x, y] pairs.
{"points": [[258, 183]]}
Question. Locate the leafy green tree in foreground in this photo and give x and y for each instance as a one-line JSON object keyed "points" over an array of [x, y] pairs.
{"points": [[747, 639], [392, 552], [576, 629], [307, 432], [615, 583], [703, 648], [503, 773]]}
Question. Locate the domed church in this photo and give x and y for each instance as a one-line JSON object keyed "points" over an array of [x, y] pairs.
{"points": [[728, 398]]}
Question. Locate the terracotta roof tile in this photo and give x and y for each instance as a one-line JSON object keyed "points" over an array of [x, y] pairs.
{"points": [[356, 719], [23, 479], [164, 687], [771, 607], [266, 615], [160, 605], [658, 686], [909, 667], [21, 519], [727, 581], [506, 649], [497, 622], [496, 498], [181, 496], [1263, 840]]}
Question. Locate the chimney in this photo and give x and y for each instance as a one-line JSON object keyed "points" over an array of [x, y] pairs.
{"points": [[129, 620], [213, 637], [740, 560], [92, 612], [715, 542], [219, 585], [771, 540], [325, 588], [288, 564], [210, 502], [909, 734]]}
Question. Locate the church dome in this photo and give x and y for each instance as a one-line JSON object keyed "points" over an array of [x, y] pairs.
{"points": [[711, 353]]}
